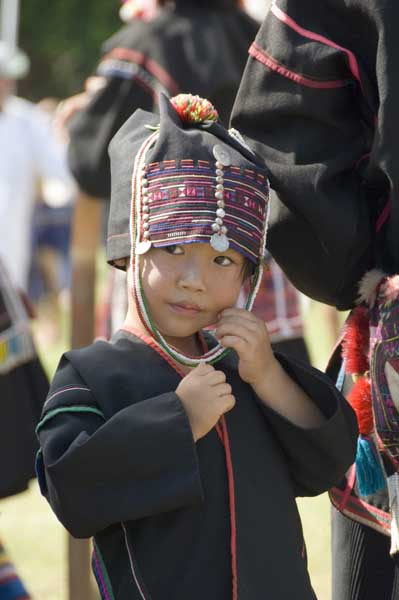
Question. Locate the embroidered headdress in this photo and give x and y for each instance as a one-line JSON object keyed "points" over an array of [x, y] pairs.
{"points": [[178, 178]]}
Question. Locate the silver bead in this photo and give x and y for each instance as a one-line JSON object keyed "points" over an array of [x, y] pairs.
{"points": [[219, 172], [143, 247], [146, 226], [215, 227], [219, 221], [222, 155], [220, 187], [223, 230], [146, 234], [144, 183], [220, 213], [146, 208], [145, 200], [219, 195], [221, 204], [219, 179], [146, 217], [219, 165]]}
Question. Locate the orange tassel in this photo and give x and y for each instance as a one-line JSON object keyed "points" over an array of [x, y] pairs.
{"points": [[355, 345], [360, 400]]}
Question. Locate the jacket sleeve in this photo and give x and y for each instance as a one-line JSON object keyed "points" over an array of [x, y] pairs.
{"points": [[317, 458], [127, 86], [96, 471], [310, 110]]}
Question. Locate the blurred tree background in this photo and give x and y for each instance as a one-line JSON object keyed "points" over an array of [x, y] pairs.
{"points": [[63, 40]]}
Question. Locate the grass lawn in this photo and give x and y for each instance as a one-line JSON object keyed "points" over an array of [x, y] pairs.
{"points": [[37, 543]]}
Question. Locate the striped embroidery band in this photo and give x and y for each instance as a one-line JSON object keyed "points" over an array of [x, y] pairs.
{"points": [[181, 204], [11, 587]]}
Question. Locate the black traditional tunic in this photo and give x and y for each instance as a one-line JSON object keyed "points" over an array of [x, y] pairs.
{"points": [[319, 100], [171, 518], [193, 49]]}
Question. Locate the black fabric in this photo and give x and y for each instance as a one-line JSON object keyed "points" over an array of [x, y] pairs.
{"points": [[127, 454], [191, 49], [362, 567], [22, 394], [328, 139], [176, 141], [294, 348]]}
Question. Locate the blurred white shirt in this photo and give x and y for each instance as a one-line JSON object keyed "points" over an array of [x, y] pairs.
{"points": [[30, 155]]}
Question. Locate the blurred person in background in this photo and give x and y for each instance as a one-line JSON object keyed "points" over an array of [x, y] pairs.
{"points": [[50, 277], [26, 153], [200, 45], [29, 156]]}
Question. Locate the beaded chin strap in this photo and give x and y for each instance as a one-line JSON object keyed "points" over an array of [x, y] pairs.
{"points": [[141, 243]]}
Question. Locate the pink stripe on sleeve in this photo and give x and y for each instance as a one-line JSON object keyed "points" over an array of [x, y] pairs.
{"points": [[282, 16]]}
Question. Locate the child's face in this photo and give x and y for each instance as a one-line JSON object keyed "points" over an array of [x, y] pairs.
{"points": [[188, 285]]}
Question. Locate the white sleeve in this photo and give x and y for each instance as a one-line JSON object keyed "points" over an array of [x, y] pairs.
{"points": [[58, 186]]}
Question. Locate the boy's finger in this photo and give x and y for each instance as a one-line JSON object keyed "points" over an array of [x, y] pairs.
{"points": [[234, 342], [203, 368], [239, 312], [215, 377], [235, 329], [227, 402]]}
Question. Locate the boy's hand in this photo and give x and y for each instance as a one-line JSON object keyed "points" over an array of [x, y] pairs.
{"points": [[247, 335], [205, 396]]}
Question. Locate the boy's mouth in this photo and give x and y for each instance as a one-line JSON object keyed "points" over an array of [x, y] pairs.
{"points": [[185, 308]]}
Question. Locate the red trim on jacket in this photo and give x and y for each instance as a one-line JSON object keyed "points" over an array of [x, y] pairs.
{"points": [[152, 67], [223, 434], [262, 56], [311, 35]]}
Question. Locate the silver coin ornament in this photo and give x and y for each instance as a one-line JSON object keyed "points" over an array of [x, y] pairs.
{"points": [[219, 242], [143, 247], [222, 155]]}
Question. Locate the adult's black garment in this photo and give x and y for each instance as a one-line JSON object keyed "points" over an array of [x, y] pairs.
{"points": [[22, 394], [23, 390], [187, 49], [375, 575], [319, 99], [119, 463]]}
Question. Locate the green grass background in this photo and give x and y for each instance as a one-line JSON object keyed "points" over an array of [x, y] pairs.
{"points": [[37, 542]]}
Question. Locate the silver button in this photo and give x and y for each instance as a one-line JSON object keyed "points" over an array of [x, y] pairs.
{"points": [[222, 155], [219, 242]]}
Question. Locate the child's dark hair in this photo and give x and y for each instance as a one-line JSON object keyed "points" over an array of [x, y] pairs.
{"points": [[248, 269]]}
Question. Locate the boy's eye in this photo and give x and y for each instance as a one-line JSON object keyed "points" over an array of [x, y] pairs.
{"points": [[223, 261], [174, 249]]}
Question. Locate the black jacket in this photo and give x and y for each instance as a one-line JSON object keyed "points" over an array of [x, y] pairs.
{"points": [[119, 462]]}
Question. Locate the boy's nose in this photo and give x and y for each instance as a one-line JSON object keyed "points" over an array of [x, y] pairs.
{"points": [[192, 278]]}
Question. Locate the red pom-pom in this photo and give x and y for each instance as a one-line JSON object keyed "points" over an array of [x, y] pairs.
{"points": [[193, 109], [355, 345], [360, 400]]}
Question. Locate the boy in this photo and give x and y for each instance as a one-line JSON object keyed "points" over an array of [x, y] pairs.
{"points": [[186, 477]]}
